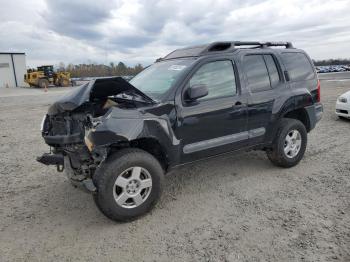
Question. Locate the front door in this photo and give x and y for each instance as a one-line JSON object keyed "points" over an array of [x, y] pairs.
{"points": [[216, 123]]}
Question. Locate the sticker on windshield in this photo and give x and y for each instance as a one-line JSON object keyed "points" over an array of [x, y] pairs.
{"points": [[176, 67]]}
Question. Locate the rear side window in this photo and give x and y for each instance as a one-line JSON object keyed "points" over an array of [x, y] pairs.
{"points": [[257, 74], [298, 66]]}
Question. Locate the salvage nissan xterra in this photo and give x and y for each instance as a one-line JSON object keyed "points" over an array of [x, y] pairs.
{"points": [[117, 139]]}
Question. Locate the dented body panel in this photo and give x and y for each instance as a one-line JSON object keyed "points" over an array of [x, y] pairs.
{"points": [[120, 127]]}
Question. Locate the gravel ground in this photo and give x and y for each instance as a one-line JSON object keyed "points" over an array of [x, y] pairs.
{"points": [[232, 208]]}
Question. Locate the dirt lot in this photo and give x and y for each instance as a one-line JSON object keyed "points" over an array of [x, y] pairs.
{"points": [[233, 208]]}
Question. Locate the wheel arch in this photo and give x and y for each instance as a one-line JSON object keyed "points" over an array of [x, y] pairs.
{"points": [[300, 114], [148, 144], [295, 107], [154, 147]]}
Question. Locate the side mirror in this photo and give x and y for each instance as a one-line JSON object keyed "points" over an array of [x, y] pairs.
{"points": [[195, 92]]}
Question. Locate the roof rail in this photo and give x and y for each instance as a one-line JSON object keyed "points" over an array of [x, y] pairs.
{"points": [[263, 44], [231, 45], [223, 46]]}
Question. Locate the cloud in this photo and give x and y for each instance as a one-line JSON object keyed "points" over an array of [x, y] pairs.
{"points": [[130, 41], [141, 31], [79, 18]]}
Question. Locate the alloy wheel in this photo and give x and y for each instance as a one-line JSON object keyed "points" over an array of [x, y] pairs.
{"points": [[132, 187], [292, 143]]}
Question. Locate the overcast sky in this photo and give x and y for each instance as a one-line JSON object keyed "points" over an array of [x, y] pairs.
{"points": [[136, 31]]}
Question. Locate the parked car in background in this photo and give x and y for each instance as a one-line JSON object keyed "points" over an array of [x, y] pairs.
{"points": [[342, 107], [346, 67], [332, 68]]}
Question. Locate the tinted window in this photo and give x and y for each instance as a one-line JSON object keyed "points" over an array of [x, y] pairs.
{"points": [[256, 71], [218, 77], [298, 66], [273, 72]]}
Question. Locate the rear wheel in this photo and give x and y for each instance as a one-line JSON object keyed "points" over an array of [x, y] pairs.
{"points": [[128, 184], [290, 143]]}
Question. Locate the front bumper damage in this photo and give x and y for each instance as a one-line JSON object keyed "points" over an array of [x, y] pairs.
{"points": [[81, 181], [51, 159], [68, 122], [63, 163]]}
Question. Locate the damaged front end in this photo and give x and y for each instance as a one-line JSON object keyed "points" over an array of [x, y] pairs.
{"points": [[67, 125], [64, 133]]}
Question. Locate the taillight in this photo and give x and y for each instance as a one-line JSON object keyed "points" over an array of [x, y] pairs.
{"points": [[318, 91]]}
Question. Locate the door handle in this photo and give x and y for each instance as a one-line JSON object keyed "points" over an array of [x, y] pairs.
{"points": [[238, 104]]}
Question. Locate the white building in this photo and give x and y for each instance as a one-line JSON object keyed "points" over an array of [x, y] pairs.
{"points": [[12, 69]]}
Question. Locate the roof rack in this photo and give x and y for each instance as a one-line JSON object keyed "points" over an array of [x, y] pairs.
{"points": [[225, 46], [228, 46], [263, 44]]}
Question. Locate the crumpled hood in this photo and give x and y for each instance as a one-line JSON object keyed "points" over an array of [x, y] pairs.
{"points": [[94, 90]]}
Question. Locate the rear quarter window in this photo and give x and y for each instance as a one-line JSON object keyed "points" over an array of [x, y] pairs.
{"points": [[298, 66]]}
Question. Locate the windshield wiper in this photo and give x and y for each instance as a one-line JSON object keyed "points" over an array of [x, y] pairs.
{"points": [[136, 97]]}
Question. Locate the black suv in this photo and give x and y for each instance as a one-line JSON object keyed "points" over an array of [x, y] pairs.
{"points": [[118, 138]]}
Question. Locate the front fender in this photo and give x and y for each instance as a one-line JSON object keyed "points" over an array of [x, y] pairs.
{"points": [[116, 131]]}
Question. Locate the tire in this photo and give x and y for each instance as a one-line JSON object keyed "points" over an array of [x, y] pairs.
{"points": [[284, 152], [64, 83], [43, 83], [122, 178]]}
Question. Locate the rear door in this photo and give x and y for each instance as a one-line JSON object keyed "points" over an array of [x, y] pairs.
{"points": [[264, 82]]}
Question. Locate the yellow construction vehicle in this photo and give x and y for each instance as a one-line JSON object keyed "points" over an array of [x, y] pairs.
{"points": [[43, 76], [61, 79]]}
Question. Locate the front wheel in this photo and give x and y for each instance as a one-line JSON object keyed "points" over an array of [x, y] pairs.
{"points": [[64, 82], [289, 144], [128, 184], [43, 83]]}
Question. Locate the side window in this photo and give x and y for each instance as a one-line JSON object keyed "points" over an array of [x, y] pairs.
{"points": [[273, 71], [298, 66], [257, 74], [219, 78]]}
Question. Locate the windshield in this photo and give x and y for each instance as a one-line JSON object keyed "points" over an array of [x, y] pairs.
{"points": [[157, 79]]}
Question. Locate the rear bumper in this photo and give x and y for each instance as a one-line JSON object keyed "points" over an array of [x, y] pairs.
{"points": [[315, 113]]}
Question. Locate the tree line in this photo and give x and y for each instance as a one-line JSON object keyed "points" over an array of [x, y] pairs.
{"points": [[94, 70], [120, 69], [327, 62]]}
